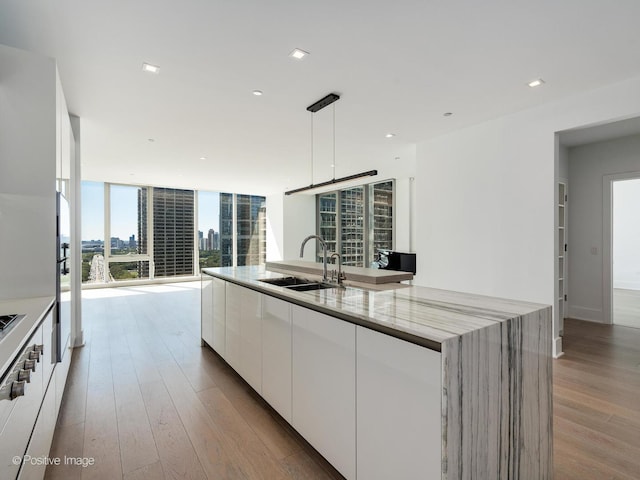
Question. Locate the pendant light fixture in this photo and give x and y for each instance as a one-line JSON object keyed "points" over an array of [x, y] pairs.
{"points": [[313, 108]]}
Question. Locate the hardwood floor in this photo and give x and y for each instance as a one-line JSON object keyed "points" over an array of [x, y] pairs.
{"points": [[597, 403], [147, 402], [626, 307]]}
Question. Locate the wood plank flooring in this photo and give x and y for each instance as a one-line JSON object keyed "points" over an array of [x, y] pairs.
{"points": [[626, 307], [597, 403], [147, 402]]}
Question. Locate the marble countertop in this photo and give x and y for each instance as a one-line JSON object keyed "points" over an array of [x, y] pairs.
{"points": [[11, 341], [421, 315]]}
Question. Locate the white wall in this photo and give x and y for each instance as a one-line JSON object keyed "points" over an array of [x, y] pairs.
{"points": [[588, 165], [563, 162], [27, 174], [405, 214], [290, 218], [486, 196], [275, 227], [626, 233]]}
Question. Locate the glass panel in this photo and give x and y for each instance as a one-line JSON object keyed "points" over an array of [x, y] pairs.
{"points": [[327, 226], [226, 229], [208, 237], [382, 208], [352, 226], [120, 271], [128, 217], [173, 232], [251, 229], [92, 232]]}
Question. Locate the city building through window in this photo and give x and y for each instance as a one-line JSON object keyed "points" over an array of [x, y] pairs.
{"points": [[357, 222]]}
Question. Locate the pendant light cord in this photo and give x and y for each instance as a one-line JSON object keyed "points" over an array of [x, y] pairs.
{"points": [[334, 141], [311, 149]]}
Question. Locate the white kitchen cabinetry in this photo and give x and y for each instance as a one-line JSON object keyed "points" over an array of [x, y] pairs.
{"points": [[398, 408], [213, 315], [233, 300], [276, 354], [42, 436], [219, 316], [206, 313], [324, 380], [244, 333]]}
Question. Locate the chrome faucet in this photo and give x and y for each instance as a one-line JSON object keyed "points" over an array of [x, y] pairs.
{"points": [[324, 253], [340, 274]]}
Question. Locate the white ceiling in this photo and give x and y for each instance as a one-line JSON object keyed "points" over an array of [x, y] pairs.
{"points": [[397, 65]]}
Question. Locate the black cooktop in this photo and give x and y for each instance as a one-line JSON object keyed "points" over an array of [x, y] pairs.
{"points": [[6, 320]]}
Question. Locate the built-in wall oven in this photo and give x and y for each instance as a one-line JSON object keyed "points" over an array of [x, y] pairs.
{"points": [[22, 388]]}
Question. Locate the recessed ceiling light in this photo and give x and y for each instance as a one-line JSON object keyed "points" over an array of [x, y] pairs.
{"points": [[257, 93], [298, 54], [536, 83], [147, 67], [447, 114], [390, 135], [203, 158]]}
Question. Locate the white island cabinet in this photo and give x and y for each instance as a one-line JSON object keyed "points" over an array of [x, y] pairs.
{"points": [[276, 354], [206, 309], [324, 386], [219, 316], [395, 383], [213, 316], [244, 333], [398, 408]]}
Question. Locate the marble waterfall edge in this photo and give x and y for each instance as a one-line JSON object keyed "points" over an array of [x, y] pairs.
{"points": [[497, 420]]}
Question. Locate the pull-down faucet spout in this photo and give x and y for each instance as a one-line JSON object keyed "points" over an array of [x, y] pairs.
{"points": [[324, 253]]}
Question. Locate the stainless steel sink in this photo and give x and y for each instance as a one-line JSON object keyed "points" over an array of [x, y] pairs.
{"points": [[286, 281], [305, 287], [297, 284]]}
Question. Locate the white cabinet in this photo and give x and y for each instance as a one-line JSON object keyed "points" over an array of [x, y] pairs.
{"points": [[233, 300], [206, 309], [398, 408], [324, 379], [213, 313], [42, 436], [276, 354], [219, 316], [243, 345]]}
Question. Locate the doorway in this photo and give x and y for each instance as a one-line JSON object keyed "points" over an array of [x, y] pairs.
{"points": [[625, 252]]}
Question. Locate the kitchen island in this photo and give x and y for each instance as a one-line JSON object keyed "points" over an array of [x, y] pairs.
{"points": [[405, 382]]}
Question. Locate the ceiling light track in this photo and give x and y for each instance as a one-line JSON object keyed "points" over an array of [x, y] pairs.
{"points": [[369, 173]]}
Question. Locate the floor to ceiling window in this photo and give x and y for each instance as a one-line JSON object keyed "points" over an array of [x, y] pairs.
{"points": [[209, 229], [357, 222], [153, 232], [246, 243], [126, 258]]}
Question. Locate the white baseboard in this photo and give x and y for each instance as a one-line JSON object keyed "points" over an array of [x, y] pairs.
{"points": [[557, 347], [585, 313], [627, 285]]}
